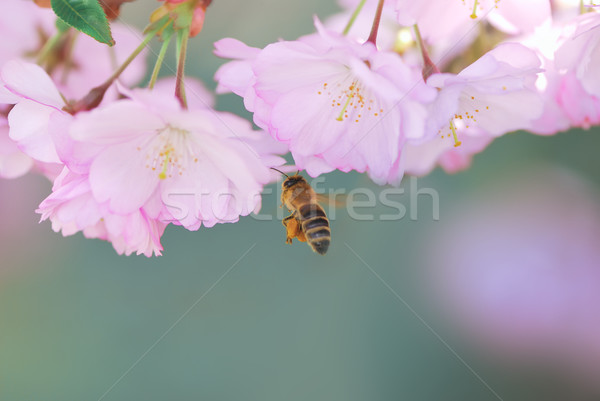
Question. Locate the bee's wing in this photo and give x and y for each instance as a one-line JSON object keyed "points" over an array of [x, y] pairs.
{"points": [[335, 201]]}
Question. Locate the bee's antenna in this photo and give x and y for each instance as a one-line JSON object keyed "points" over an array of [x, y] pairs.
{"points": [[279, 171]]}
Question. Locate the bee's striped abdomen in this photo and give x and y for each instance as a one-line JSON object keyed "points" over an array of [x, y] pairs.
{"points": [[315, 226]]}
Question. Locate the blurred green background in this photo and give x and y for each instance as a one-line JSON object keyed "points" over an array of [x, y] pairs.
{"points": [[232, 313]]}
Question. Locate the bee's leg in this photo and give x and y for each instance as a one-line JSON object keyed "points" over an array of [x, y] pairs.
{"points": [[286, 220], [293, 229]]}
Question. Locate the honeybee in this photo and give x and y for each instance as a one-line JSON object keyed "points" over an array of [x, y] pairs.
{"points": [[308, 221]]}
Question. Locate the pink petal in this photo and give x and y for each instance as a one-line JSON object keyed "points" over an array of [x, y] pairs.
{"points": [[119, 175], [13, 162], [115, 123], [518, 16], [31, 82], [234, 49], [6, 96], [28, 122]]}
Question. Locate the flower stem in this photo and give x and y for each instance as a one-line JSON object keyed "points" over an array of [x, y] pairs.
{"points": [[182, 42], [69, 57], [161, 57], [50, 45], [95, 96], [376, 21], [429, 67], [353, 17], [131, 57]]}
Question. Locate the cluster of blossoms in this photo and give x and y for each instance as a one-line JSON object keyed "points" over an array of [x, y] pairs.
{"points": [[124, 162], [364, 93], [343, 99]]}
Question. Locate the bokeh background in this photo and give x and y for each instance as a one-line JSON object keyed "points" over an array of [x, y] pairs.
{"points": [[498, 299]]}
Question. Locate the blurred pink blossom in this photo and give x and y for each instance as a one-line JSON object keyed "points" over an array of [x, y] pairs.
{"points": [[24, 26], [90, 62], [442, 19], [580, 52], [13, 162], [388, 28], [517, 270]]}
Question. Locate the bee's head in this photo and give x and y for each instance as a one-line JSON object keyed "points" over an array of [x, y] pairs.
{"points": [[291, 181]]}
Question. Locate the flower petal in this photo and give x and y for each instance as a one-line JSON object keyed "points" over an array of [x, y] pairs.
{"points": [[28, 122], [118, 175], [31, 82]]}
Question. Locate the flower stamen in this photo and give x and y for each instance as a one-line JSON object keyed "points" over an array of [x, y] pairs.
{"points": [[343, 111], [474, 14], [163, 174], [453, 128]]}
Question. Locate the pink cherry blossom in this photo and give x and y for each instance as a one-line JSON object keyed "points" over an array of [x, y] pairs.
{"points": [[493, 96], [338, 104], [72, 208], [197, 167], [496, 93]]}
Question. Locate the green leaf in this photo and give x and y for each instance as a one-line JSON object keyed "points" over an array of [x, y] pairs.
{"points": [[86, 16]]}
